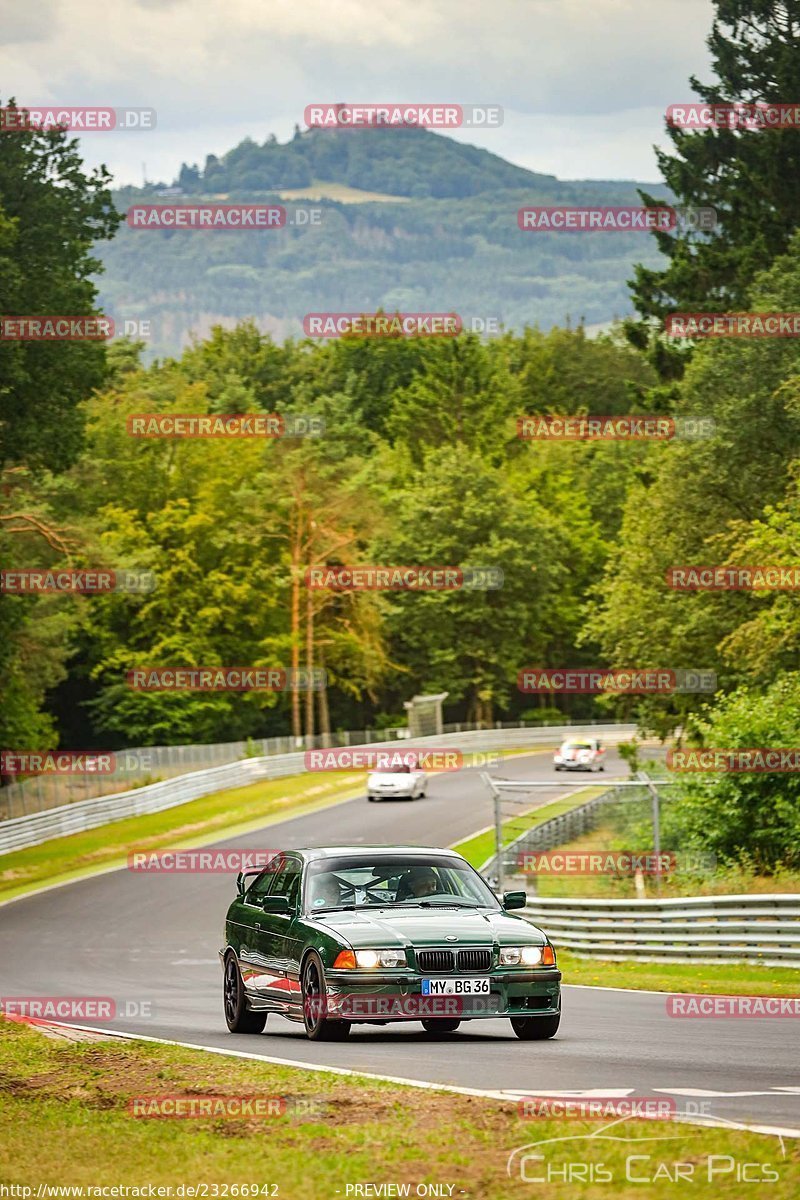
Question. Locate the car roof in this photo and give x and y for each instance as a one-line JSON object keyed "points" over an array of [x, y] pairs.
{"points": [[314, 853]]}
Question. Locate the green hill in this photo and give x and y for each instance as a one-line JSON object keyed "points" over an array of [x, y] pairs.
{"points": [[448, 242]]}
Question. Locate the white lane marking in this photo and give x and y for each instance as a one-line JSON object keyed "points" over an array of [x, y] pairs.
{"points": [[290, 1062], [51, 887], [603, 1093], [504, 1096], [213, 838], [581, 1093], [192, 843], [673, 1091], [599, 987]]}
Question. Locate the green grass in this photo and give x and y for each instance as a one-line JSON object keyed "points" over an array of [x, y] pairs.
{"points": [[235, 811], [227, 814], [724, 979], [721, 979], [481, 846], [320, 190], [65, 1120], [718, 978], [729, 881]]}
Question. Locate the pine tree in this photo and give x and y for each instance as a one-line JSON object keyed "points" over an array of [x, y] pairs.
{"points": [[750, 177]]}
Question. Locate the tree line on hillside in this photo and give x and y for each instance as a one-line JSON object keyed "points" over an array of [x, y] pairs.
{"points": [[420, 463], [400, 162]]}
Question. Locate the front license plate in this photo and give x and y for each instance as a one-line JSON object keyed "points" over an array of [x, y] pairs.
{"points": [[455, 987]]}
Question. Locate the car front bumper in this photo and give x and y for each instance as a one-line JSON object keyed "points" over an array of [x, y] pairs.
{"points": [[397, 995]]}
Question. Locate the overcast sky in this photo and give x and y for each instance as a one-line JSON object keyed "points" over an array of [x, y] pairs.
{"points": [[584, 83]]}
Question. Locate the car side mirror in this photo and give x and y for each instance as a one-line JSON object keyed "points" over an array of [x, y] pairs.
{"points": [[243, 877], [276, 904], [514, 899]]}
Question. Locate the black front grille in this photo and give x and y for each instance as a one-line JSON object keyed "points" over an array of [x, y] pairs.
{"points": [[474, 960], [435, 960]]}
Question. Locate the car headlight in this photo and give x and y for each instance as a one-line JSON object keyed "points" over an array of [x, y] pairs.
{"points": [[367, 960], [526, 956]]}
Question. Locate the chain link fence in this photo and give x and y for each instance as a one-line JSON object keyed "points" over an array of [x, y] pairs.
{"points": [[141, 765]]}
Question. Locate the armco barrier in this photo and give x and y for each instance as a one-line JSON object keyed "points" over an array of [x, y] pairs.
{"points": [[30, 830], [153, 764], [703, 929]]}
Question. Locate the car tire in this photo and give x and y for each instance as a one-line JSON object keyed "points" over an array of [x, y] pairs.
{"points": [[440, 1025], [315, 1019], [238, 1017], [535, 1029], [558, 768], [371, 799]]}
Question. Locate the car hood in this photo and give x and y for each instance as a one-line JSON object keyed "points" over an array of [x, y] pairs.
{"points": [[426, 927]]}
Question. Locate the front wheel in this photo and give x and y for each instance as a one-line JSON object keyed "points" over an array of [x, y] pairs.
{"points": [[238, 1017], [439, 1025], [319, 1028], [535, 1029]]}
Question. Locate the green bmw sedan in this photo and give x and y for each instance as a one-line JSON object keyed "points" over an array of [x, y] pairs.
{"points": [[339, 935]]}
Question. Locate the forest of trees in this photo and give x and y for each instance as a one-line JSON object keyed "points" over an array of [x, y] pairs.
{"points": [[450, 242], [420, 463]]}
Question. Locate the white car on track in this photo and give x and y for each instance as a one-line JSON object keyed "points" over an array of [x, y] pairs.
{"points": [[580, 754], [400, 782]]}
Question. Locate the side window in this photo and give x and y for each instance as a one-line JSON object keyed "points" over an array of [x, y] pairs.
{"points": [[286, 880], [261, 884]]}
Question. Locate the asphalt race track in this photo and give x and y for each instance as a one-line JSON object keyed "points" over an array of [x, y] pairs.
{"points": [[152, 940]]}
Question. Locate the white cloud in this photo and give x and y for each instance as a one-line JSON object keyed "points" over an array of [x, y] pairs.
{"points": [[584, 82]]}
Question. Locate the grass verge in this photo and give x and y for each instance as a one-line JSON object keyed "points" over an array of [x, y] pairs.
{"points": [[735, 979], [724, 979], [222, 814], [480, 847], [730, 881], [66, 1120]]}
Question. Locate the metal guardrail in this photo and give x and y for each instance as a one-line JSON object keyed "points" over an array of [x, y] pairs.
{"points": [[704, 929], [151, 764], [139, 765], [20, 832], [30, 830]]}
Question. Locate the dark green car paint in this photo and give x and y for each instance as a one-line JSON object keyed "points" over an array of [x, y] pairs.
{"points": [[271, 937]]}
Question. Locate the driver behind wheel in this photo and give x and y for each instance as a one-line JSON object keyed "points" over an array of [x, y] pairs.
{"points": [[420, 881], [325, 892]]}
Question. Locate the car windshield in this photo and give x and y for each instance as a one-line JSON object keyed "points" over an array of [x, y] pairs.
{"points": [[403, 769], [425, 882], [578, 746]]}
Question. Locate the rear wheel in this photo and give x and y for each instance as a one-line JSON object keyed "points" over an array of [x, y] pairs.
{"points": [[238, 1017], [319, 1028], [440, 1025], [535, 1029]]}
